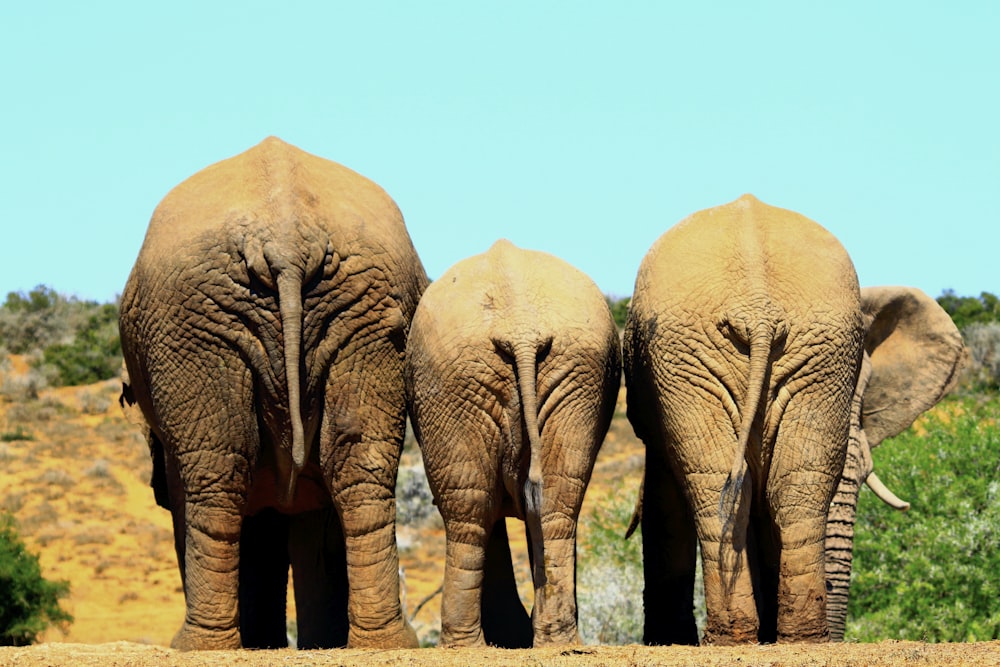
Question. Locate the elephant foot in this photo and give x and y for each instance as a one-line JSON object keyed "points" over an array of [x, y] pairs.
{"points": [[728, 639], [807, 638], [452, 639], [737, 631], [566, 638], [193, 638], [402, 636]]}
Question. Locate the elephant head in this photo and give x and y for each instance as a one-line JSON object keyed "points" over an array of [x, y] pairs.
{"points": [[913, 352]]}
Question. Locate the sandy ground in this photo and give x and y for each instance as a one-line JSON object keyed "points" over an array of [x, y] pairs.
{"points": [[841, 655]]}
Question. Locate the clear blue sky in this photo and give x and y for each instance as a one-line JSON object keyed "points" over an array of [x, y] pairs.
{"points": [[580, 128]]}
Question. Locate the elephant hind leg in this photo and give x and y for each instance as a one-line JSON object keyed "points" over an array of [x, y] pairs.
{"points": [[729, 590], [505, 621], [461, 600]]}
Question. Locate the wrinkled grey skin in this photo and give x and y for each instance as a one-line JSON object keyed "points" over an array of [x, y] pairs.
{"points": [[913, 353], [263, 329], [512, 369], [744, 349]]}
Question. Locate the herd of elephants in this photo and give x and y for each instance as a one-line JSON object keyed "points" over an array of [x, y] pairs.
{"points": [[278, 328]]}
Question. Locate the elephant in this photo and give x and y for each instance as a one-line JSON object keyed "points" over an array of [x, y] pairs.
{"points": [[263, 328], [513, 366], [744, 351], [913, 355]]}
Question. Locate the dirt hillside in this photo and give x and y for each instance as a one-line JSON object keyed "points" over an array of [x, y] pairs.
{"points": [[75, 475]]}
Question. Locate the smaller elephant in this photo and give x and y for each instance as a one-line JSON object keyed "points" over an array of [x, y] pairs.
{"points": [[512, 368]]}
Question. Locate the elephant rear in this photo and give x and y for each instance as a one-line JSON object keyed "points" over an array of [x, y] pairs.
{"points": [[512, 370], [263, 328], [741, 353]]}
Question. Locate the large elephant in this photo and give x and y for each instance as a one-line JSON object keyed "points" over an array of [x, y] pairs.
{"points": [[744, 349], [264, 328], [512, 369]]}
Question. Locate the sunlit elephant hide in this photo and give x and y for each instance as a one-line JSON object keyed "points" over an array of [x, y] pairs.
{"points": [[264, 327], [744, 348], [513, 366]]}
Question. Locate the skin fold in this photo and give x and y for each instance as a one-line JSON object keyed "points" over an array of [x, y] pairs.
{"points": [[513, 366], [263, 328], [743, 352]]}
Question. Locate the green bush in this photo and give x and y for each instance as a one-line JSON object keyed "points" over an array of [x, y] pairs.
{"points": [[930, 574], [610, 573], [966, 310], [73, 342], [983, 370], [619, 309], [94, 353], [28, 603], [34, 320]]}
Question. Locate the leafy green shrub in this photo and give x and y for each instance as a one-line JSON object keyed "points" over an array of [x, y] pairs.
{"points": [[74, 342], [609, 592], [35, 320], [619, 309], [983, 370], [18, 433], [93, 355], [966, 310], [28, 602], [610, 576], [930, 574]]}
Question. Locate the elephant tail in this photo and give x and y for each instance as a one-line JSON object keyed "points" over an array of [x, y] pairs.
{"points": [[761, 340], [525, 360], [290, 307]]}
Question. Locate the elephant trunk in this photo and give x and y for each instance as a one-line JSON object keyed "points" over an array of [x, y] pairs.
{"points": [[839, 551], [525, 358], [290, 306]]}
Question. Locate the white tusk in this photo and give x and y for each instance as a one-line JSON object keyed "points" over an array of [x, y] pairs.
{"points": [[884, 494]]}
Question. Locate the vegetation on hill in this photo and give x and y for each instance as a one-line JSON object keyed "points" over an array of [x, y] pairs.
{"points": [[28, 602], [68, 341], [966, 310]]}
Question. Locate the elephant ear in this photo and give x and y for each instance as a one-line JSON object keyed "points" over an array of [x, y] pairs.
{"points": [[916, 352]]}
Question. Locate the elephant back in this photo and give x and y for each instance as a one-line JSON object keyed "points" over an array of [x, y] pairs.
{"points": [[277, 194], [747, 252]]}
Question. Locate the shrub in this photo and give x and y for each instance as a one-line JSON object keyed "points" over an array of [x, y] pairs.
{"points": [[610, 574], [619, 309], [966, 310], [75, 342], [28, 603], [983, 343], [611, 578], [93, 355], [414, 502], [930, 574]]}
